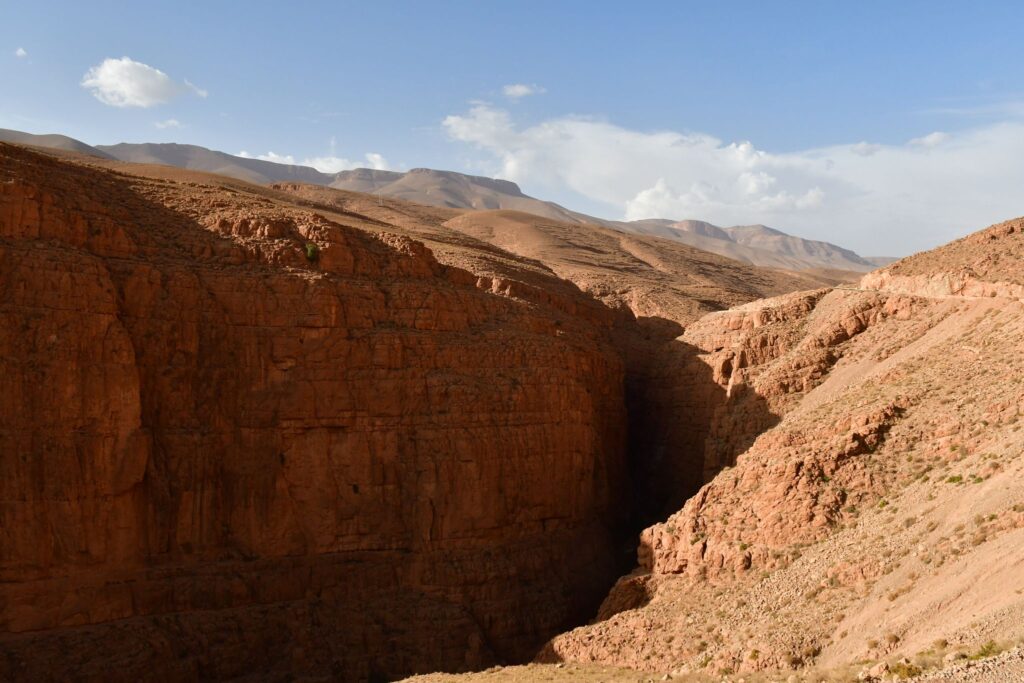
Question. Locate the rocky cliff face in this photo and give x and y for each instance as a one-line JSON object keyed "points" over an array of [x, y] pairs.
{"points": [[864, 500], [240, 438], [276, 433], [655, 286]]}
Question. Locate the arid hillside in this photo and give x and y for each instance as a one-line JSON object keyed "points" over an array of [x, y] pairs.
{"points": [[196, 158], [451, 190], [648, 276], [656, 287], [865, 501], [293, 431], [53, 141], [863, 516], [755, 244]]}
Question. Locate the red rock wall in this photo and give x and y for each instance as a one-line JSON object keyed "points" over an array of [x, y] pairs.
{"points": [[767, 356], [219, 459], [709, 394]]}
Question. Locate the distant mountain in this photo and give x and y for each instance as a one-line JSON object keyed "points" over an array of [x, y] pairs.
{"points": [[454, 190], [769, 239], [198, 158], [51, 142], [422, 185], [754, 244]]}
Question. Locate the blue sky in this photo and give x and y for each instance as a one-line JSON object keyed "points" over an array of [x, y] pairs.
{"points": [[886, 127]]}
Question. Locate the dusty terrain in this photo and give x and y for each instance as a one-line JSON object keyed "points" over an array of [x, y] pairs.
{"points": [[196, 158], [655, 287], [652, 277], [452, 190], [864, 512], [59, 142], [882, 513]]}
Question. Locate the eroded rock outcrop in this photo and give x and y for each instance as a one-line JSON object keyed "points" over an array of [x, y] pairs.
{"points": [[656, 287], [877, 516], [733, 374], [790, 484], [225, 452]]}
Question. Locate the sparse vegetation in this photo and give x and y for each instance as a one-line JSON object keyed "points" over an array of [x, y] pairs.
{"points": [[905, 669], [988, 649]]}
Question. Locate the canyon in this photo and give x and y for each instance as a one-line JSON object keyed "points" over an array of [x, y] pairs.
{"points": [[227, 453], [288, 431], [299, 431], [863, 514]]}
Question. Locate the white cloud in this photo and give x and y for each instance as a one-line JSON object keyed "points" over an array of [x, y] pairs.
{"points": [[21, 53], [330, 164], [377, 161], [127, 83], [865, 149], [931, 140], [269, 156], [514, 91], [324, 164], [168, 123], [196, 89], [875, 198]]}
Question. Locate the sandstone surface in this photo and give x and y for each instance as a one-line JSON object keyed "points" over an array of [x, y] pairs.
{"points": [[286, 432], [864, 500], [240, 437]]}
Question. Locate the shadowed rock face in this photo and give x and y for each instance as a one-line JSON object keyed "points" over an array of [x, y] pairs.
{"points": [[221, 457]]}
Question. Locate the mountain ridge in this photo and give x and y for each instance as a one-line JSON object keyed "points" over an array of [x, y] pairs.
{"points": [[756, 244]]}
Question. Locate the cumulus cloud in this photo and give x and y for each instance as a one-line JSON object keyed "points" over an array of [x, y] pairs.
{"points": [[931, 140], [377, 162], [325, 164], [875, 198], [865, 149], [127, 83], [21, 53], [168, 123], [514, 91], [269, 156], [333, 164]]}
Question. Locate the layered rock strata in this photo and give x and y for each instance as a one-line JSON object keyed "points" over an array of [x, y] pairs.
{"points": [[239, 438]]}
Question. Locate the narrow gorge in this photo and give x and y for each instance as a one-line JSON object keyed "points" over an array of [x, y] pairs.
{"points": [[276, 433], [291, 432]]}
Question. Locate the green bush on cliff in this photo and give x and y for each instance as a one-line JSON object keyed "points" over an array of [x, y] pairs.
{"points": [[312, 251]]}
